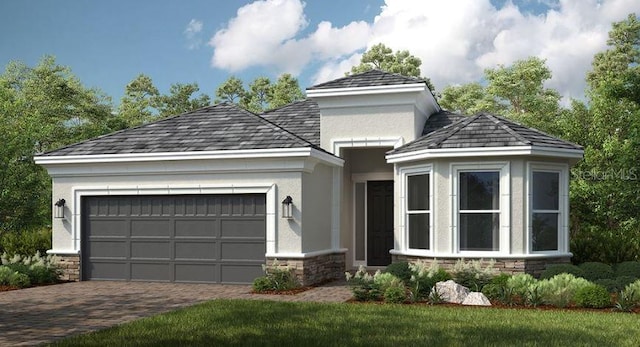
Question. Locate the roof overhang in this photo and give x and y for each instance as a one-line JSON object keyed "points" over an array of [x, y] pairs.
{"points": [[387, 89], [196, 155], [575, 154]]}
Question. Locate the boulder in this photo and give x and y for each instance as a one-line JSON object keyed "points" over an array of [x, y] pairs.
{"points": [[451, 292], [476, 299]]}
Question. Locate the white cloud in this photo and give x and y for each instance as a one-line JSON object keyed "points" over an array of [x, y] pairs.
{"points": [[456, 39], [264, 32], [192, 34]]}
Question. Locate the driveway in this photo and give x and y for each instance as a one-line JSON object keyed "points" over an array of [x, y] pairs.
{"points": [[37, 315]]}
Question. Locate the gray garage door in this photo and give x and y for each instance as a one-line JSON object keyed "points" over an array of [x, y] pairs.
{"points": [[184, 238]]}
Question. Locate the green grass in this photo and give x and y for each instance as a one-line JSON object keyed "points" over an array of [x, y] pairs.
{"points": [[267, 323]]}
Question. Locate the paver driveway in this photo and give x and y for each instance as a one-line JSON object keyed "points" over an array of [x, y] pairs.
{"points": [[43, 314]]}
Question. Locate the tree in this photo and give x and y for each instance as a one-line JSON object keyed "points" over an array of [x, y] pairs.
{"points": [[262, 94], [180, 100], [138, 103], [41, 108], [516, 91], [383, 58], [605, 190]]}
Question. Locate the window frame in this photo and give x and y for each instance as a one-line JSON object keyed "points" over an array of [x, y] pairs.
{"points": [[563, 206], [504, 227], [405, 173]]}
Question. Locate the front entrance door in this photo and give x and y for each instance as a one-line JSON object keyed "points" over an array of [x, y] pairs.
{"points": [[379, 222]]}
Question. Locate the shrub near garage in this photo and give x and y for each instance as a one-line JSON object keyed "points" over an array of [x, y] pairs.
{"points": [[36, 269], [276, 278]]}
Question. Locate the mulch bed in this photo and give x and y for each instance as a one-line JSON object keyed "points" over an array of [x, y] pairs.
{"points": [[4, 288], [284, 292]]}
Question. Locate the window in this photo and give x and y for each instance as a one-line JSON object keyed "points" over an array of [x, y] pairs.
{"points": [[418, 211], [545, 210], [479, 210]]}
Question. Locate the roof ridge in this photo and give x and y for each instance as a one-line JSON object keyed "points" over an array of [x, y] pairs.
{"points": [[500, 122], [455, 127], [507, 120], [287, 105]]}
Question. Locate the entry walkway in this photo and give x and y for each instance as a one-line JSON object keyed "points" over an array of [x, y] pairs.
{"points": [[38, 315]]}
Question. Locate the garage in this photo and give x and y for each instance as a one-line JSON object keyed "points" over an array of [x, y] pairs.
{"points": [[174, 238]]}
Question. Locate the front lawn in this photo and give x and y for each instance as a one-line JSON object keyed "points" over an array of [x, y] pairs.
{"points": [[268, 323]]}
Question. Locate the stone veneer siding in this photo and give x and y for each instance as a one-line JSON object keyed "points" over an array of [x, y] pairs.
{"points": [[314, 270], [70, 266], [511, 266]]}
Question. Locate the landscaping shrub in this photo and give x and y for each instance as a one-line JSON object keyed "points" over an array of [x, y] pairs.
{"points": [[560, 289], [25, 242], [520, 284], [400, 270], [611, 285], [277, 278], [385, 280], [5, 273], [395, 293], [593, 296], [494, 290], [628, 268], [633, 291], [596, 271], [423, 278], [557, 269], [472, 274], [19, 280], [39, 269], [361, 285]]}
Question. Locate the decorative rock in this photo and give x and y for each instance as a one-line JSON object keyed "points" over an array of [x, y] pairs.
{"points": [[452, 292], [476, 299]]}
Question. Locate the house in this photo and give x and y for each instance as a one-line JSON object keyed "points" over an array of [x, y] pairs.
{"points": [[366, 171]]}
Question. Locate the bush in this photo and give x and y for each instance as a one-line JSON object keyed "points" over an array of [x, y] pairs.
{"points": [[277, 278], [25, 242], [557, 269], [495, 289], [560, 289], [423, 278], [19, 280], [593, 296], [5, 273], [596, 271], [472, 274], [633, 291], [383, 281], [628, 268], [395, 293], [39, 269], [609, 284], [520, 284], [401, 270], [362, 286]]}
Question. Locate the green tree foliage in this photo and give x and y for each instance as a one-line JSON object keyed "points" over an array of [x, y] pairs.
{"points": [[41, 108], [516, 91], [262, 95], [605, 190], [180, 100], [383, 58]]}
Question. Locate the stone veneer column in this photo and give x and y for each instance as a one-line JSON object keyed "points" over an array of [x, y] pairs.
{"points": [[70, 266], [314, 270]]}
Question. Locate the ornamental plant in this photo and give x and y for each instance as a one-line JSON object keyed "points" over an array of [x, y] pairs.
{"points": [[593, 296], [276, 278], [38, 269], [473, 274], [424, 277], [560, 289]]}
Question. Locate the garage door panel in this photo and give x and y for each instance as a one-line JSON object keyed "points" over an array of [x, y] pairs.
{"points": [[151, 271], [150, 250], [238, 273], [203, 250], [108, 249], [197, 273], [151, 228], [197, 228], [110, 227], [242, 250], [107, 270], [183, 238], [235, 228]]}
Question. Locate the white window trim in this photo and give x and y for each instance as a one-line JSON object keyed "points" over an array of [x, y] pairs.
{"points": [[403, 226], [563, 205], [505, 206], [269, 189]]}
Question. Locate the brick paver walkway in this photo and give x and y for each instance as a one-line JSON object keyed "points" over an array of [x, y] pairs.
{"points": [[43, 314]]}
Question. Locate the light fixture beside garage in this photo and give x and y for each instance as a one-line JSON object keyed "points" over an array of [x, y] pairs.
{"points": [[58, 210], [287, 207]]}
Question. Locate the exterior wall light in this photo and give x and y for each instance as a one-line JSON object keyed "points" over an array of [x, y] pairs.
{"points": [[58, 210], [287, 207]]}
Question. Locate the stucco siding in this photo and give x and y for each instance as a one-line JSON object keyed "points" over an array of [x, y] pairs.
{"points": [[316, 211]]}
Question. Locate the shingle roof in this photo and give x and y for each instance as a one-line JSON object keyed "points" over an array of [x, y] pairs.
{"points": [[301, 118], [483, 130], [440, 120], [218, 127], [371, 78]]}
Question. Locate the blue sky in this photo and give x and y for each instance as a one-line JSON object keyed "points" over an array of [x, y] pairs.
{"points": [[108, 43]]}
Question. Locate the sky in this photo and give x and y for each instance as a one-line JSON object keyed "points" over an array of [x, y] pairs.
{"points": [[108, 43]]}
